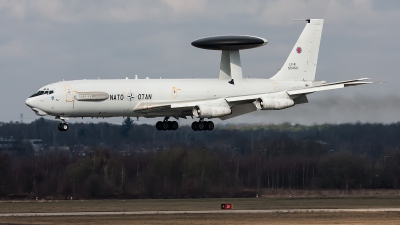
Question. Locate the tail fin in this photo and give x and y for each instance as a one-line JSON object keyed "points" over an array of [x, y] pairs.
{"points": [[302, 61]]}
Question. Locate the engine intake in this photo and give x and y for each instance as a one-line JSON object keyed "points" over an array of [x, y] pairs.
{"points": [[206, 111]]}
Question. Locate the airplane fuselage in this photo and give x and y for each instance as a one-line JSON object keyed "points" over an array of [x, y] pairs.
{"points": [[124, 95]]}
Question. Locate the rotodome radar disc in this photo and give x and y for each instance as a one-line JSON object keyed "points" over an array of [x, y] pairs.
{"points": [[229, 42]]}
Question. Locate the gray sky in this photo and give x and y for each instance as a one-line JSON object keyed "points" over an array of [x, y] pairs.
{"points": [[47, 41]]}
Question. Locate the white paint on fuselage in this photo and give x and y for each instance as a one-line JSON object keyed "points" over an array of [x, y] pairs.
{"points": [[147, 91]]}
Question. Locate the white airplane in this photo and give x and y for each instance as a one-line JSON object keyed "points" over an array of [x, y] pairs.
{"points": [[228, 96]]}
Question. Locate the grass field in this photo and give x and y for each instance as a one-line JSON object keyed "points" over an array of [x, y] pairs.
{"points": [[274, 218], [207, 204]]}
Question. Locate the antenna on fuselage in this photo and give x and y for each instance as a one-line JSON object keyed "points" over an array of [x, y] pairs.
{"points": [[308, 20]]}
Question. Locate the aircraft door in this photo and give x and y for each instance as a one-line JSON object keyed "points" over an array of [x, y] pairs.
{"points": [[69, 94], [276, 87]]}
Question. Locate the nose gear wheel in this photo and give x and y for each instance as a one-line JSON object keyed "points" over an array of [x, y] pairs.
{"points": [[63, 127]]}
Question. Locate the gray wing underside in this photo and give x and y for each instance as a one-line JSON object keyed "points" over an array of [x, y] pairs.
{"points": [[184, 108]]}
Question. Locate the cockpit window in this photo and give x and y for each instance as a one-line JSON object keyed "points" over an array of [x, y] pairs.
{"points": [[42, 92], [47, 92], [37, 94]]}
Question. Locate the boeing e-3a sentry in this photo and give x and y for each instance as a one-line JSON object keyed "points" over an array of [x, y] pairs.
{"points": [[228, 96]]}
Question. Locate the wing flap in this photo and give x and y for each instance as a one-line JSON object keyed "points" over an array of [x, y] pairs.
{"points": [[315, 89], [243, 98], [357, 83], [240, 110], [149, 107], [144, 106]]}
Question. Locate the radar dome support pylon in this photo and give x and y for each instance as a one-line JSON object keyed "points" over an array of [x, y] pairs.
{"points": [[230, 66]]}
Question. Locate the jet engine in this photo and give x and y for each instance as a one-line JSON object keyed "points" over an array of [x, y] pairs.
{"points": [[212, 109], [274, 102]]}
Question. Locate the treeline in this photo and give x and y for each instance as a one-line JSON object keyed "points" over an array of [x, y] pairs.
{"points": [[369, 139], [182, 172], [231, 161]]}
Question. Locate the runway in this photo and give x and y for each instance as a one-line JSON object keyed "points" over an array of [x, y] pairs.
{"points": [[201, 212]]}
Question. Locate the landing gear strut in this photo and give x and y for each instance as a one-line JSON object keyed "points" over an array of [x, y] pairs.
{"points": [[63, 126], [202, 125], [167, 125]]}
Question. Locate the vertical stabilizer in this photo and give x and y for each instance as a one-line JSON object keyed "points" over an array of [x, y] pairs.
{"points": [[302, 61]]}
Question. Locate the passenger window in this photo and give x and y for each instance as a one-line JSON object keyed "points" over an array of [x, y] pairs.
{"points": [[51, 92]]}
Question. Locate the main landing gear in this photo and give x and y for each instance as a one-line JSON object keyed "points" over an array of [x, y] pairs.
{"points": [[167, 125], [202, 125], [173, 125]]}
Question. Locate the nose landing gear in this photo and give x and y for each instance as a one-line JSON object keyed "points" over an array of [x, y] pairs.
{"points": [[202, 125], [63, 126], [167, 125]]}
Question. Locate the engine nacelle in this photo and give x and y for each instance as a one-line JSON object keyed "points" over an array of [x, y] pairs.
{"points": [[206, 111], [271, 103], [216, 108]]}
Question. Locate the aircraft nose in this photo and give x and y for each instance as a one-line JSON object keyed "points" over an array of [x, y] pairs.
{"points": [[28, 102]]}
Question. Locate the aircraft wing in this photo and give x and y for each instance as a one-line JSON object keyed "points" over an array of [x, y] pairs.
{"points": [[307, 90], [329, 86], [240, 104]]}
